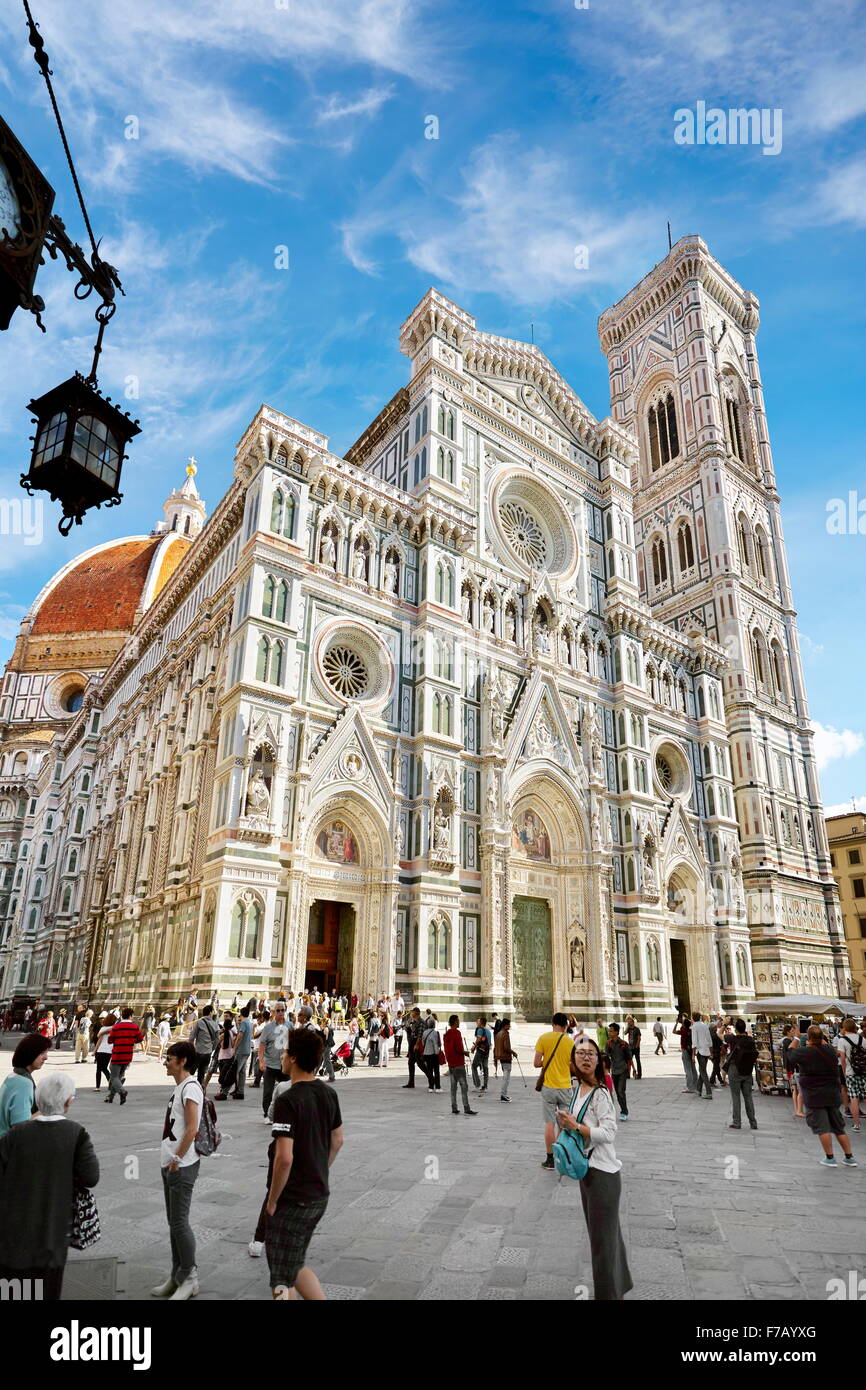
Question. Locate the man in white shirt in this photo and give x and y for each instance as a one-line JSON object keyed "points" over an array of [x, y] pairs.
{"points": [[180, 1165], [702, 1047]]}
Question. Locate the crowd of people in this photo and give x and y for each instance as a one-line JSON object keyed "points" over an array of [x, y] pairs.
{"points": [[287, 1048]]}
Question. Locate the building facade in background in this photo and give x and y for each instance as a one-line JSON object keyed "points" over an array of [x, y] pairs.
{"points": [[847, 836], [504, 707]]}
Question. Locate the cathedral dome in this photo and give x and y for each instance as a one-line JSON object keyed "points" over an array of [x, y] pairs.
{"points": [[103, 589]]}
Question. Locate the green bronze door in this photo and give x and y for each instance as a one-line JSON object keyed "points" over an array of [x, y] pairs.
{"points": [[533, 972]]}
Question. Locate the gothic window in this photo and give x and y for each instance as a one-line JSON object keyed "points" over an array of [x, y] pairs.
{"points": [[736, 417], [252, 940], [742, 968], [441, 425], [277, 510], [743, 541], [761, 552], [711, 802], [268, 598], [72, 863], [623, 768], [626, 834], [663, 434], [79, 821], [66, 901], [685, 546], [262, 659], [659, 562], [281, 601], [759, 658], [438, 942], [236, 929], [778, 664], [651, 681], [714, 701], [652, 959], [43, 853], [617, 665], [629, 874], [631, 661], [278, 654]]}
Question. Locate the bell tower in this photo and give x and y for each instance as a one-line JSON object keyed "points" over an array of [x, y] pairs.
{"points": [[685, 380]]}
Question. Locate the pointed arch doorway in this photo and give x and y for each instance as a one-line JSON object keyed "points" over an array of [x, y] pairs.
{"points": [[533, 965], [330, 946]]}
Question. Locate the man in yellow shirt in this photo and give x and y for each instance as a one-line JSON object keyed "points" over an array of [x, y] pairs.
{"points": [[553, 1053]]}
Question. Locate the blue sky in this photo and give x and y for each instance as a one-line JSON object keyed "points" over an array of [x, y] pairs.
{"points": [[264, 124]]}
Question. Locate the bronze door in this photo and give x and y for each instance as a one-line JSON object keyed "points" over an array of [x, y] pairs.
{"points": [[533, 970]]}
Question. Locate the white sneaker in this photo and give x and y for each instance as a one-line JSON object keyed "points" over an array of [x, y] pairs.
{"points": [[188, 1289], [281, 1292], [256, 1249], [164, 1290]]}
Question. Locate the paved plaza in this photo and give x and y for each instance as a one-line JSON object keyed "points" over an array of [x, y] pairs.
{"points": [[430, 1205]]}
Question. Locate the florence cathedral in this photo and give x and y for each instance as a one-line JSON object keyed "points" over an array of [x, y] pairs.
{"points": [[505, 707]]}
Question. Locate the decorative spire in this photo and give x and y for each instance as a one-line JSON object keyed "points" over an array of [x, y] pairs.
{"points": [[184, 508]]}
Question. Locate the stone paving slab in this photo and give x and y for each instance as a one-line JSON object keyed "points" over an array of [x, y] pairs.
{"points": [[428, 1207]]}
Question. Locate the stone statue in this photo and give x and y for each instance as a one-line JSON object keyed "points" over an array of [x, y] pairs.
{"points": [[488, 616], [467, 606], [391, 576], [510, 625], [442, 832], [542, 637], [328, 551], [359, 564], [492, 801], [577, 955], [398, 840], [258, 796]]}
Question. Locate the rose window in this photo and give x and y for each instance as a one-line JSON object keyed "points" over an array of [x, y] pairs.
{"points": [[664, 772], [523, 533], [345, 672]]}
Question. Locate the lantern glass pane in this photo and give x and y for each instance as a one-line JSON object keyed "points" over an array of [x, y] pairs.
{"points": [[50, 440], [95, 448]]}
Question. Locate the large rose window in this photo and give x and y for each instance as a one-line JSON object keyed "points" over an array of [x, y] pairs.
{"points": [[534, 527], [353, 663]]}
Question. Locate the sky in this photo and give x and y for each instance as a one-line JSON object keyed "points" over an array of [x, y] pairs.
{"points": [[280, 182]]}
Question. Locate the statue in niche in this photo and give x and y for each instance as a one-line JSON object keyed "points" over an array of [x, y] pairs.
{"points": [[442, 832], [398, 840], [541, 636], [359, 564], [328, 551], [510, 625], [577, 958], [649, 874], [488, 616], [467, 606], [391, 580], [492, 800], [258, 796]]}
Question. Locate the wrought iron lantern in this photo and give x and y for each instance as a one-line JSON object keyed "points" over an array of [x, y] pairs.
{"points": [[78, 448]]}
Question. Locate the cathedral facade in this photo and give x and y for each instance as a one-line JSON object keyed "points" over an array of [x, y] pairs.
{"points": [[505, 707]]}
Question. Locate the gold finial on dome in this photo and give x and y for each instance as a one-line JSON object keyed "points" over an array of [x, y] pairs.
{"points": [[191, 469]]}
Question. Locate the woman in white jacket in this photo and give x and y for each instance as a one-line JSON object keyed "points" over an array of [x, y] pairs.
{"points": [[600, 1189]]}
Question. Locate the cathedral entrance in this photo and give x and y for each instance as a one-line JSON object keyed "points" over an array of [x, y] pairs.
{"points": [[533, 968], [680, 976], [330, 946]]}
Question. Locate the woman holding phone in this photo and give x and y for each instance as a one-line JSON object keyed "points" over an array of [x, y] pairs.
{"points": [[600, 1189]]}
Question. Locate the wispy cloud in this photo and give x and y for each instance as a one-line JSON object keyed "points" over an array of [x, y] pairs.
{"points": [[857, 803], [831, 744], [369, 103], [513, 226]]}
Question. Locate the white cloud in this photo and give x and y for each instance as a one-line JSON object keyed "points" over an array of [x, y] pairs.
{"points": [[514, 227], [831, 744], [809, 649], [841, 196], [369, 103]]}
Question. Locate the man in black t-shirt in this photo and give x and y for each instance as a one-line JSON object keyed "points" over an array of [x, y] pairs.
{"points": [[307, 1136], [818, 1070]]}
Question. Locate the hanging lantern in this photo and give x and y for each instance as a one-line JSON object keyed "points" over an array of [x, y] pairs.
{"points": [[78, 448]]}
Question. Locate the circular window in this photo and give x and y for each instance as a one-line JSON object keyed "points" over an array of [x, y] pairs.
{"points": [[65, 695], [533, 525], [73, 701], [353, 663], [671, 770], [345, 672]]}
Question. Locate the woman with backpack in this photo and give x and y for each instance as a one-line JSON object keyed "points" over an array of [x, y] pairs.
{"points": [[204, 1038], [592, 1116], [852, 1052]]}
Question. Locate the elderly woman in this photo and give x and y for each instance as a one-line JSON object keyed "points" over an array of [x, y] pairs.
{"points": [[41, 1162], [17, 1094]]}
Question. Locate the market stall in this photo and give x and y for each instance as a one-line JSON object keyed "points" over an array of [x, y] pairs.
{"points": [[773, 1016]]}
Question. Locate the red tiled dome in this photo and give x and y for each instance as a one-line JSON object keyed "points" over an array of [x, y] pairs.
{"points": [[102, 592]]}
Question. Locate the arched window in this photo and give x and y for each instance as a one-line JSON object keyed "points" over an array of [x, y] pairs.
{"points": [[659, 562], [264, 651], [663, 434], [626, 833], [761, 552], [79, 821], [277, 662], [446, 716], [277, 505], [72, 863], [281, 601], [437, 712], [252, 939], [441, 424], [449, 425], [43, 853], [631, 662], [66, 901], [743, 541], [735, 418], [778, 664], [236, 929], [438, 942], [268, 598], [711, 802], [629, 874], [617, 665], [623, 774], [742, 968], [758, 661], [85, 782], [685, 546]]}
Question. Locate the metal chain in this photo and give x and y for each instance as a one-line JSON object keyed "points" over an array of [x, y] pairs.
{"points": [[41, 59]]}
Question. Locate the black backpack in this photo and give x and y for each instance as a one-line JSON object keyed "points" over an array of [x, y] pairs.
{"points": [[857, 1053]]}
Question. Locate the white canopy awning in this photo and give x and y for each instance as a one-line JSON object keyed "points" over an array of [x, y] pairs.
{"points": [[805, 1004]]}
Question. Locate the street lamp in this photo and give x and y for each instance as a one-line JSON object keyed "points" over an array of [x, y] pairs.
{"points": [[78, 448]]}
